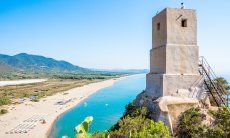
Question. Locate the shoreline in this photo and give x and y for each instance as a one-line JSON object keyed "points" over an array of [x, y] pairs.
{"points": [[49, 131], [50, 110]]}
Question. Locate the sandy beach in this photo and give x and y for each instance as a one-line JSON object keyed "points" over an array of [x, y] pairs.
{"points": [[29, 114]]}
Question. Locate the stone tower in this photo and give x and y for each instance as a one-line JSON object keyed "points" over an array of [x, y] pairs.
{"points": [[174, 55], [174, 83]]}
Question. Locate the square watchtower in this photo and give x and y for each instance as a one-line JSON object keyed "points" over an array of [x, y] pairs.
{"points": [[174, 55]]}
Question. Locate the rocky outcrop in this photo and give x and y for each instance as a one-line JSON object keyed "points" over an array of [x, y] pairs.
{"points": [[167, 108]]}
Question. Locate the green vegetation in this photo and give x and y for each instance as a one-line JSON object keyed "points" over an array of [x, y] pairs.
{"points": [[31, 74], [62, 76], [134, 124], [191, 124], [57, 82], [75, 76], [25, 66], [221, 126], [39, 90], [3, 111], [224, 83], [27, 62], [4, 100], [83, 128], [140, 127]]}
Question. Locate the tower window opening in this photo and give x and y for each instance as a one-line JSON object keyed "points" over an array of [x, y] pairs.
{"points": [[158, 26], [184, 23]]}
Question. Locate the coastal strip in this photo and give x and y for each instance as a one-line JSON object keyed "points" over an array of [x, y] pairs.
{"points": [[35, 119]]}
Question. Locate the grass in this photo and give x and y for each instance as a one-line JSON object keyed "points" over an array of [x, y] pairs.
{"points": [[4, 100]]}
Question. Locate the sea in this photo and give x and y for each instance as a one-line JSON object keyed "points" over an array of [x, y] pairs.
{"points": [[106, 106]]}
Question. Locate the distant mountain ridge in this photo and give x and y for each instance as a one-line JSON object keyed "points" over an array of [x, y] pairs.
{"points": [[25, 62]]}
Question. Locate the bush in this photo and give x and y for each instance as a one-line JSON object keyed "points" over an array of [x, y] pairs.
{"points": [[35, 100], [221, 124], [3, 111], [4, 101], [136, 124], [190, 124], [140, 127], [132, 111], [104, 134]]}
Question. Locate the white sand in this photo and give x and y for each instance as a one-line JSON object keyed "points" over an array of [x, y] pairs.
{"points": [[18, 82], [47, 108]]}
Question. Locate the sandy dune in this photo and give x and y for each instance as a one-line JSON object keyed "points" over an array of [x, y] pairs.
{"points": [[26, 115], [18, 82]]}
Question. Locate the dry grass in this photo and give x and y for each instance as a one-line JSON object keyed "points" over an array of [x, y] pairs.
{"points": [[43, 89]]}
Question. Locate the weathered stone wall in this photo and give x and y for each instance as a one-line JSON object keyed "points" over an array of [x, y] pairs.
{"points": [[158, 85], [183, 85], [181, 35], [182, 59], [158, 60], [159, 36], [174, 59], [154, 85], [170, 31]]}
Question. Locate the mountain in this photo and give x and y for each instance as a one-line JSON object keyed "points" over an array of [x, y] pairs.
{"points": [[4, 67], [25, 62]]}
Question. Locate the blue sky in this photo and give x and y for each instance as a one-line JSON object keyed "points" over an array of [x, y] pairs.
{"points": [[106, 33]]}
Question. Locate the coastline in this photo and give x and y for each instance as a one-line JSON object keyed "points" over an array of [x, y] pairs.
{"points": [[49, 131], [50, 110]]}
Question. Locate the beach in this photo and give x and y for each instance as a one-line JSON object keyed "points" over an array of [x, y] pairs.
{"points": [[36, 118]]}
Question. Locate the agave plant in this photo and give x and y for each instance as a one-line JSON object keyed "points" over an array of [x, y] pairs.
{"points": [[83, 128]]}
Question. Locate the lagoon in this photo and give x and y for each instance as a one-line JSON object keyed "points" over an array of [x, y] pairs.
{"points": [[106, 106]]}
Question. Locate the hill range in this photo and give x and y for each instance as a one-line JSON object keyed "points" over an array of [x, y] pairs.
{"points": [[28, 62]]}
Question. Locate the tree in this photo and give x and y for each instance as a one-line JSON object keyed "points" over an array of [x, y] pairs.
{"points": [[220, 81]]}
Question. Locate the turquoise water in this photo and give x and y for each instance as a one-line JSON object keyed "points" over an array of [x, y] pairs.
{"points": [[106, 106]]}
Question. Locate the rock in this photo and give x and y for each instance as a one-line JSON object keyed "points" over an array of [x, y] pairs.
{"points": [[167, 108]]}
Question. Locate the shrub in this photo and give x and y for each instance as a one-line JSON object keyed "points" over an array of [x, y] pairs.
{"points": [[35, 100], [136, 124], [140, 127], [190, 124], [3, 111], [4, 100], [104, 134], [132, 111], [221, 126]]}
